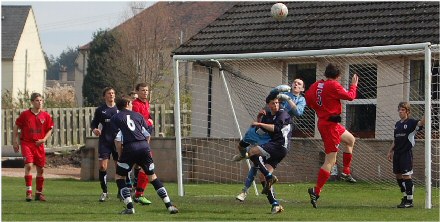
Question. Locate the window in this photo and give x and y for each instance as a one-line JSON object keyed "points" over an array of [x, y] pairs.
{"points": [[417, 80], [361, 116], [417, 93], [305, 124]]}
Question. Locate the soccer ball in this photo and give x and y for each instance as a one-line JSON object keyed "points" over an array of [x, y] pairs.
{"points": [[279, 11]]}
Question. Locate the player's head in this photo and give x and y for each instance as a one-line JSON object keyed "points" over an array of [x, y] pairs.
{"points": [[404, 110], [332, 71], [109, 94], [142, 90], [124, 103], [37, 100], [272, 102], [133, 95], [297, 86]]}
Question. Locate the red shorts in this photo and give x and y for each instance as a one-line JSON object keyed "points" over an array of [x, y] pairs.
{"points": [[331, 135], [33, 154]]}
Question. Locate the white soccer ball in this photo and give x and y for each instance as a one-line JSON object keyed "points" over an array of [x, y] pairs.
{"points": [[279, 11]]}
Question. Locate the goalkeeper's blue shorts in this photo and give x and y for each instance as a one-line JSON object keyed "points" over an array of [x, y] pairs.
{"points": [[256, 136]]}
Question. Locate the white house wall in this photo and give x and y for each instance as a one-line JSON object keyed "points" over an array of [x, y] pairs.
{"points": [[222, 121], [392, 71], [7, 69], [29, 50]]}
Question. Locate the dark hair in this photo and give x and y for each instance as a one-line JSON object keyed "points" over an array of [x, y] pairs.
{"points": [[122, 103], [332, 71], [405, 105], [131, 93], [139, 85], [106, 89], [271, 96], [35, 95]]}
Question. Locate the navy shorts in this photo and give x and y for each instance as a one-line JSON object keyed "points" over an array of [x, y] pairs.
{"points": [[273, 153], [403, 163], [135, 153], [105, 149]]}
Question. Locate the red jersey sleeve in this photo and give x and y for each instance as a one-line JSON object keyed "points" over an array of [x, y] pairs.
{"points": [[344, 94], [50, 124]]}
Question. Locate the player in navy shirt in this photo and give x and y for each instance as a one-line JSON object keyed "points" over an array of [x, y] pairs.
{"points": [[268, 155], [131, 128], [401, 152], [106, 145]]}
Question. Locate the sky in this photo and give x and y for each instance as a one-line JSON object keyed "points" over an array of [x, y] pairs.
{"points": [[63, 24]]}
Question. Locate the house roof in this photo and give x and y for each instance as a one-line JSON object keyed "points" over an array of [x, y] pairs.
{"points": [[248, 27], [13, 21]]}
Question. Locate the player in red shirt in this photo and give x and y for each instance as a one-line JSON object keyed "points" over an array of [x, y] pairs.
{"points": [[36, 126], [324, 96], [142, 106]]}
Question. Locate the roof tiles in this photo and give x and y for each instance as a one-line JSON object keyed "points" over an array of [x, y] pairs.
{"points": [[248, 27]]}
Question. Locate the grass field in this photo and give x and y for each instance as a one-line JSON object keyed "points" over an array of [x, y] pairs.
{"points": [[72, 200]]}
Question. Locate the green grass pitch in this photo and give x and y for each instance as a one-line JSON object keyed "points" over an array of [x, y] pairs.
{"points": [[72, 200]]}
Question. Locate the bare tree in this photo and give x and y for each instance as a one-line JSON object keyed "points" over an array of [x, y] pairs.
{"points": [[145, 46]]}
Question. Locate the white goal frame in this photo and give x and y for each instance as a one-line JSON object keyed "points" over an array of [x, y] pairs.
{"points": [[213, 57]]}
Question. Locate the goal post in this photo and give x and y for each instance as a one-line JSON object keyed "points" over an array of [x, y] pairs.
{"points": [[226, 91]]}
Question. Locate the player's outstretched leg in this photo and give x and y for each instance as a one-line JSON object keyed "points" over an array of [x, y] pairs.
{"points": [[241, 147], [163, 194], [141, 184]]}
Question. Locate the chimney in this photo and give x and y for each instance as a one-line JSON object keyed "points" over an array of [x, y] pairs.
{"points": [[63, 73]]}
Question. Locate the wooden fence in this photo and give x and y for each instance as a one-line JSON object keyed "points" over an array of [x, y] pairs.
{"points": [[72, 125]]}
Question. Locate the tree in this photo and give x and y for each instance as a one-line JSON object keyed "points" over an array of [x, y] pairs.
{"points": [[145, 45], [99, 71], [107, 68], [66, 59]]}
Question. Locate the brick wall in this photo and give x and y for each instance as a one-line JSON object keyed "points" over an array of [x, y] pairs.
{"points": [[209, 160]]}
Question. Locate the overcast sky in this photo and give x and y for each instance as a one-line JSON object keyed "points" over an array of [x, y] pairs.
{"points": [[64, 24]]}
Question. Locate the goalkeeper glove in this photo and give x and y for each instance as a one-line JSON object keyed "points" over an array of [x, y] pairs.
{"points": [[281, 88], [283, 97]]}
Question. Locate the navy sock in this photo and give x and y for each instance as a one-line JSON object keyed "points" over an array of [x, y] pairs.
{"points": [[103, 180], [258, 161], [161, 192]]}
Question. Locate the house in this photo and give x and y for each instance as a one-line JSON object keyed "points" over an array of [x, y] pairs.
{"points": [[179, 20], [23, 62], [248, 28]]}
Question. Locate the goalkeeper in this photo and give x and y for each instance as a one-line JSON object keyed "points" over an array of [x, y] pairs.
{"points": [[294, 103], [268, 155]]}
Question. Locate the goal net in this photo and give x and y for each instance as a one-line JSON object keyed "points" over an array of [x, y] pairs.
{"points": [[225, 93]]}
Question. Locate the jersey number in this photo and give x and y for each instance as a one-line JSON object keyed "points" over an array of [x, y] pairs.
{"points": [[318, 97], [130, 123]]}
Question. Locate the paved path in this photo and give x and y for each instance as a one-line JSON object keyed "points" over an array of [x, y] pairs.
{"points": [[56, 172]]}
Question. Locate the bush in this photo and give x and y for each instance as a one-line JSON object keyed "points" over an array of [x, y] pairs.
{"points": [[54, 97], [59, 96]]}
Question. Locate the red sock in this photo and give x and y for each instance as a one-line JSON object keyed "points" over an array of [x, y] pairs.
{"points": [[40, 184], [347, 157], [147, 181], [142, 180], [323, 176], [28, 181]]}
